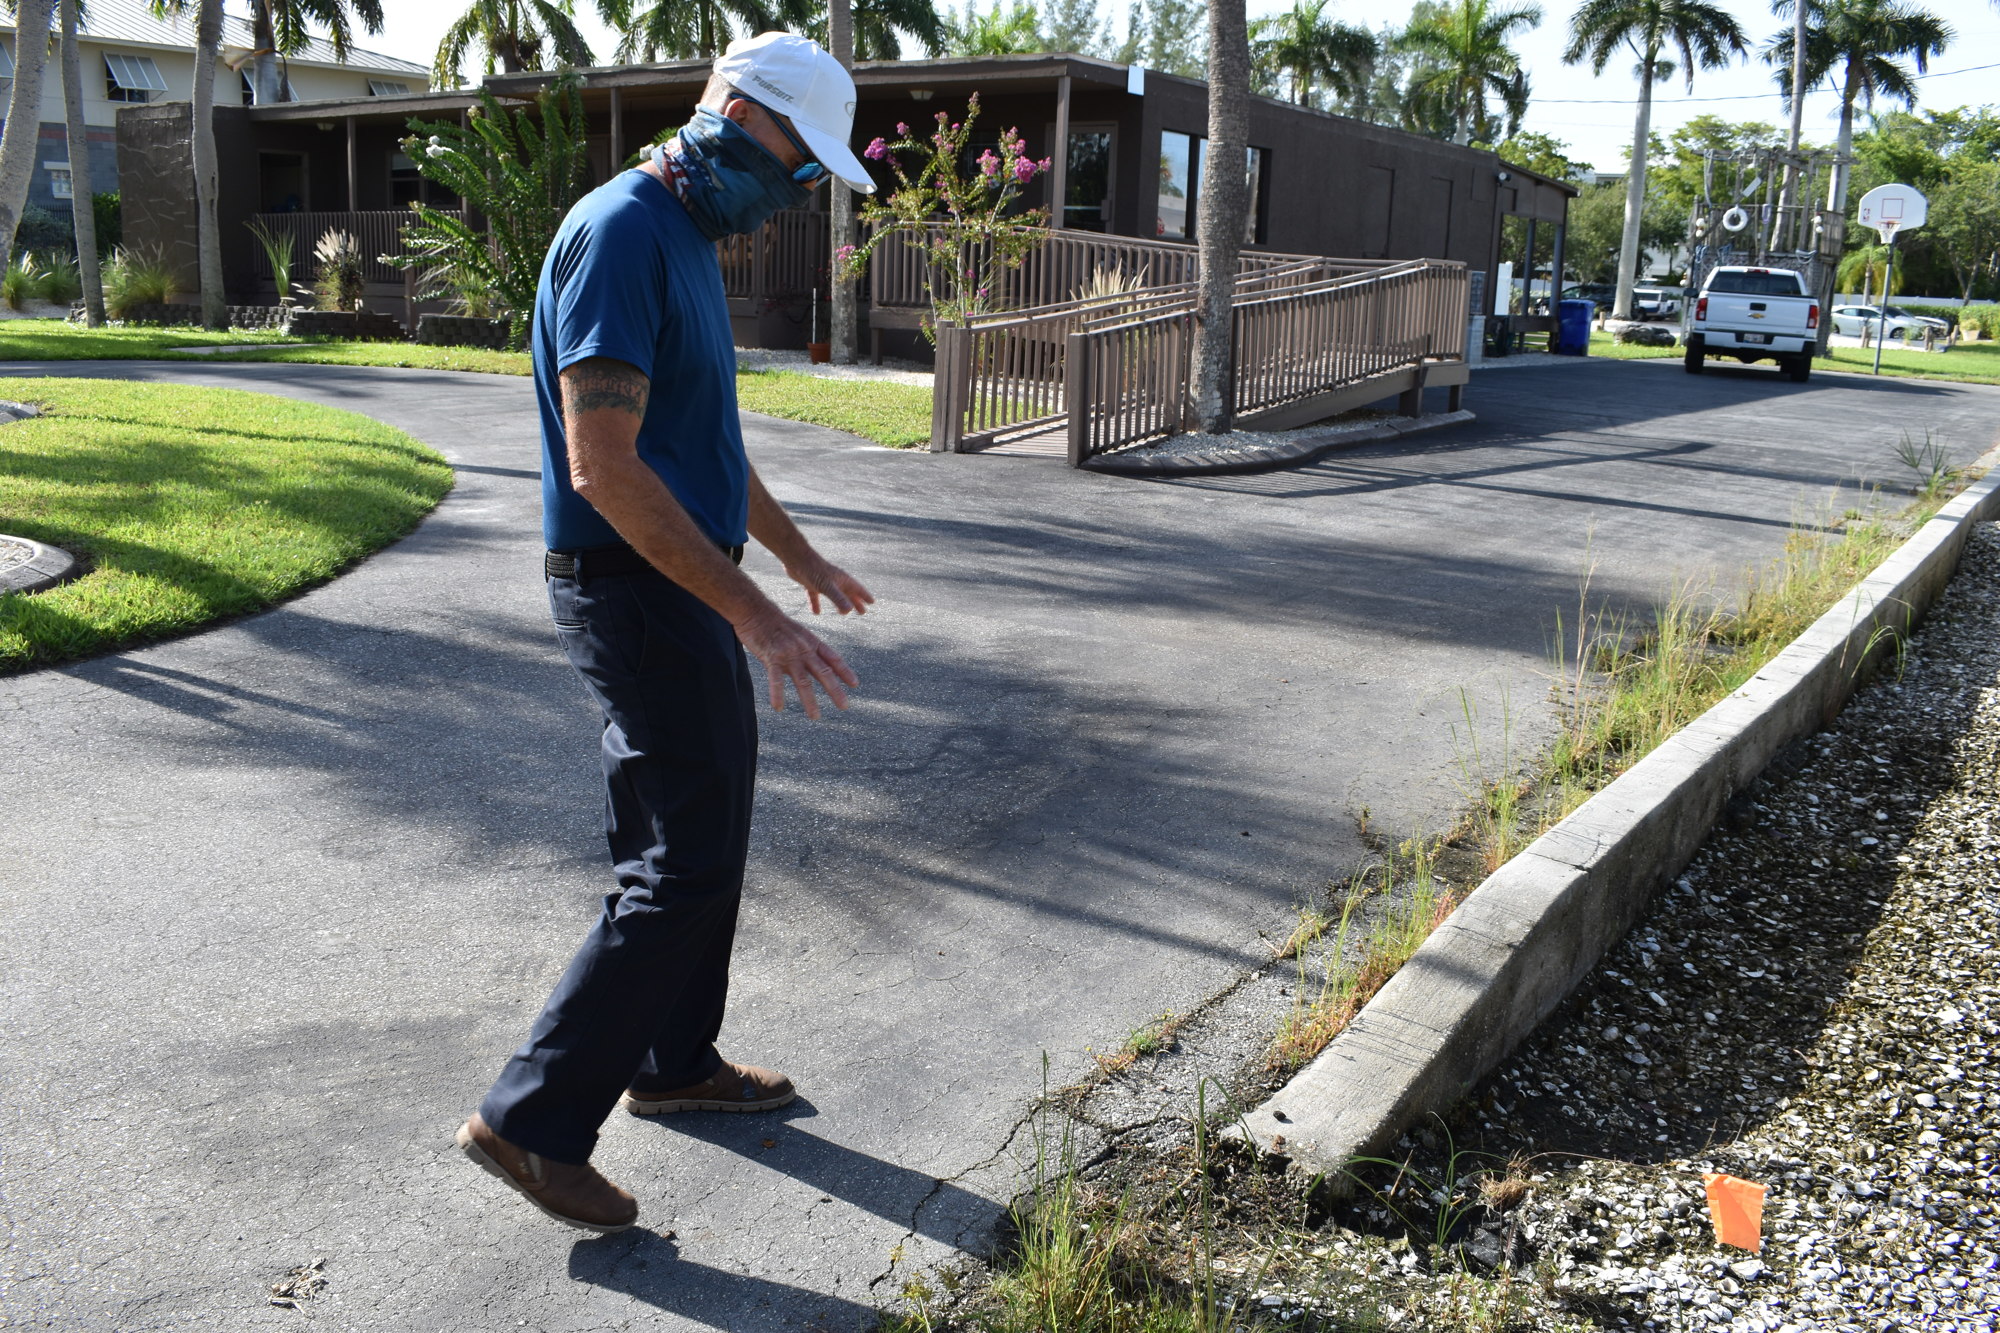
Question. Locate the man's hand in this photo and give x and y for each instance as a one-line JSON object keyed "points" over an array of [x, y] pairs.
{"points": [[820, 577], [791, 652]]}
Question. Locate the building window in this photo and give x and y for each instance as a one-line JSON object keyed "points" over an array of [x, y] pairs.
{"points": [[387, 88], [131, 78], [285, 93], [59, 180], [1177, 167], [1181, 161], [1087, 184], [6, 62]]}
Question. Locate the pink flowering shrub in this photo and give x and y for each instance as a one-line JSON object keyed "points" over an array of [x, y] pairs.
{"points": [[965, 217]]}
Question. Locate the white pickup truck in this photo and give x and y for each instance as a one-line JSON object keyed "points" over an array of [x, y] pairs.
{"points": [[1754, 314]]}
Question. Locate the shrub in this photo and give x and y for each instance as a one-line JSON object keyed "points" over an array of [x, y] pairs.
{"points": [[337, 281], [1947, 313], [520, 170], [110, 218], [277, 247], [43, 230], [60, 282], [134, 278], [21, 282]]}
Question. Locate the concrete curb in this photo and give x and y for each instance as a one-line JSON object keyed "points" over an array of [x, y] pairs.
{"points": [[1526, 936], [1139, 463], [46, 566]]}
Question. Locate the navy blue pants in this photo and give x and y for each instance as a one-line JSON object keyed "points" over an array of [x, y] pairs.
{"points": [[642, 1001]]}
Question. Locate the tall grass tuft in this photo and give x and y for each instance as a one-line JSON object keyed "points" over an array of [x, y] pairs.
{"points": [[1416, 903], [60, 282], [21, 282], [133, 278]]}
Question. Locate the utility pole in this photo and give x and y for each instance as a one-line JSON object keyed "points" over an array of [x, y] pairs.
{"points": [[1798, 118]]}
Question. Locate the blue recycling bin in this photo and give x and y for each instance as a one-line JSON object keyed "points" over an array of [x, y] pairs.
{"points": [[1573, 327]]}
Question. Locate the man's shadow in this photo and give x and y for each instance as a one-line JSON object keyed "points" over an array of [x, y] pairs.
{"points": [[648, 1267]]}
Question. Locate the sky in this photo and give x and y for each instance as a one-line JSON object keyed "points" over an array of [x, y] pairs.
{"points": [[1592, 114]]}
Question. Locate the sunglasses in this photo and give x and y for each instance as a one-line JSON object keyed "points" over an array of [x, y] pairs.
{"points": [[813, 171]]}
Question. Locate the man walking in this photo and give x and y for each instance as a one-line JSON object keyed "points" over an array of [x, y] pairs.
{"points": [[647, 500]]}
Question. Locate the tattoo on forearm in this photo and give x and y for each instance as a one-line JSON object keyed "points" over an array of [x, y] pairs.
{"points": [[590, 385]]}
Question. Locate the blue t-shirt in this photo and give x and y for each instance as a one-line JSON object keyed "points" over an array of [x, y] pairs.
{"points": [[629, 277]]}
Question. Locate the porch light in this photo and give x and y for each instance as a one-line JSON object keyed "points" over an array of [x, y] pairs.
{"points": [[920, 94]]}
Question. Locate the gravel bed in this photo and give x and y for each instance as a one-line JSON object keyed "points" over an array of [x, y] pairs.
{"points": [[1810, 1007], [14, 553]]}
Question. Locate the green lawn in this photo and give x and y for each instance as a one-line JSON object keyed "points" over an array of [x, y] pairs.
{"points": [[1603, 344], [897, 415], [1967, 363], [190, 504]]}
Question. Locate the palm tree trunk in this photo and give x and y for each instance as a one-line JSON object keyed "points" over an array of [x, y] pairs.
{"points": [[1635, 195], [845, 332], [267, 81], [1221, 213], [24, 117], [82, 216], [208, 234]]}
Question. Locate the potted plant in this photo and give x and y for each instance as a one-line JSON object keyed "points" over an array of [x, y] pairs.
{"points": [[819, 342]]}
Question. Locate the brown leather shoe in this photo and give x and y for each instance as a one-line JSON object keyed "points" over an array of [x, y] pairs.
{"points": [[730, 1088], [576, 1195]]}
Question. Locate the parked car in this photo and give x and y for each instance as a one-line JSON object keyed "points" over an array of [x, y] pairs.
{"points": [[1896, 322], [1754, 314], [1656, 302]]}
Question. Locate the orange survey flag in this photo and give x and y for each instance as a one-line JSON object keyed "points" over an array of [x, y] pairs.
{"points": [[1736, 1207]]}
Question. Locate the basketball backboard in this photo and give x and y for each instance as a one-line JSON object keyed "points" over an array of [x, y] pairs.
{"points": [[1893, 209]]}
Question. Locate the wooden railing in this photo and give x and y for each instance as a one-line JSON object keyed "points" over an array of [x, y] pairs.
{"points": [[1005, 373], [1293, 345], [1129, 381], [1063, 267], [786, 257], [380, 232]]}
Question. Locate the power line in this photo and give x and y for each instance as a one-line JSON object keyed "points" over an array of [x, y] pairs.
{"points": [[1738, 97]]}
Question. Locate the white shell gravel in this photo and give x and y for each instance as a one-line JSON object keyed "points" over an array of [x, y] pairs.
{"points": [[1811, 1006]]}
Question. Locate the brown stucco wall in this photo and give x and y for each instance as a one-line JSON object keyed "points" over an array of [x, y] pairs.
{"points": [[155, 170]]}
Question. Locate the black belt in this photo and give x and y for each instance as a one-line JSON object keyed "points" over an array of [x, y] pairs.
{"points": [[597, 561]]}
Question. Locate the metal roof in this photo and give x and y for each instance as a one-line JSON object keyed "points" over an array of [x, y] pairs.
{"points": [[133, 22]]}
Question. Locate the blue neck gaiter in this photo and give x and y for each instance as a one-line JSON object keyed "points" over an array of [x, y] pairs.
{"points": [[731, 183]]}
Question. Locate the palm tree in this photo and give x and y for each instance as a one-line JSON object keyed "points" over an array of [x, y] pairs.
{"points": [[515, 35], [201, 136], [1304, 45], [1464, 58], [24, 117], [1866, 42], [877, 26], [283, 27], [1224, 205], [83, 217], [995, 33], [207, 177], [1701, 32], [684, 29]]}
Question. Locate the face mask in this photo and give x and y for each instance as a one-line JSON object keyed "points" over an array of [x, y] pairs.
{"points": [[731, 182]]}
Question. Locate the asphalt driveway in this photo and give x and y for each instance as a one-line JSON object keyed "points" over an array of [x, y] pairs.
{"points": [[279, 897]]}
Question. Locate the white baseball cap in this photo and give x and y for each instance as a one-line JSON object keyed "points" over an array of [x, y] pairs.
{"points": [[796, 78]]}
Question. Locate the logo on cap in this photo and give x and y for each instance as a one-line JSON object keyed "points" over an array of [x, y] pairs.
{"points": [[771, 88]]}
